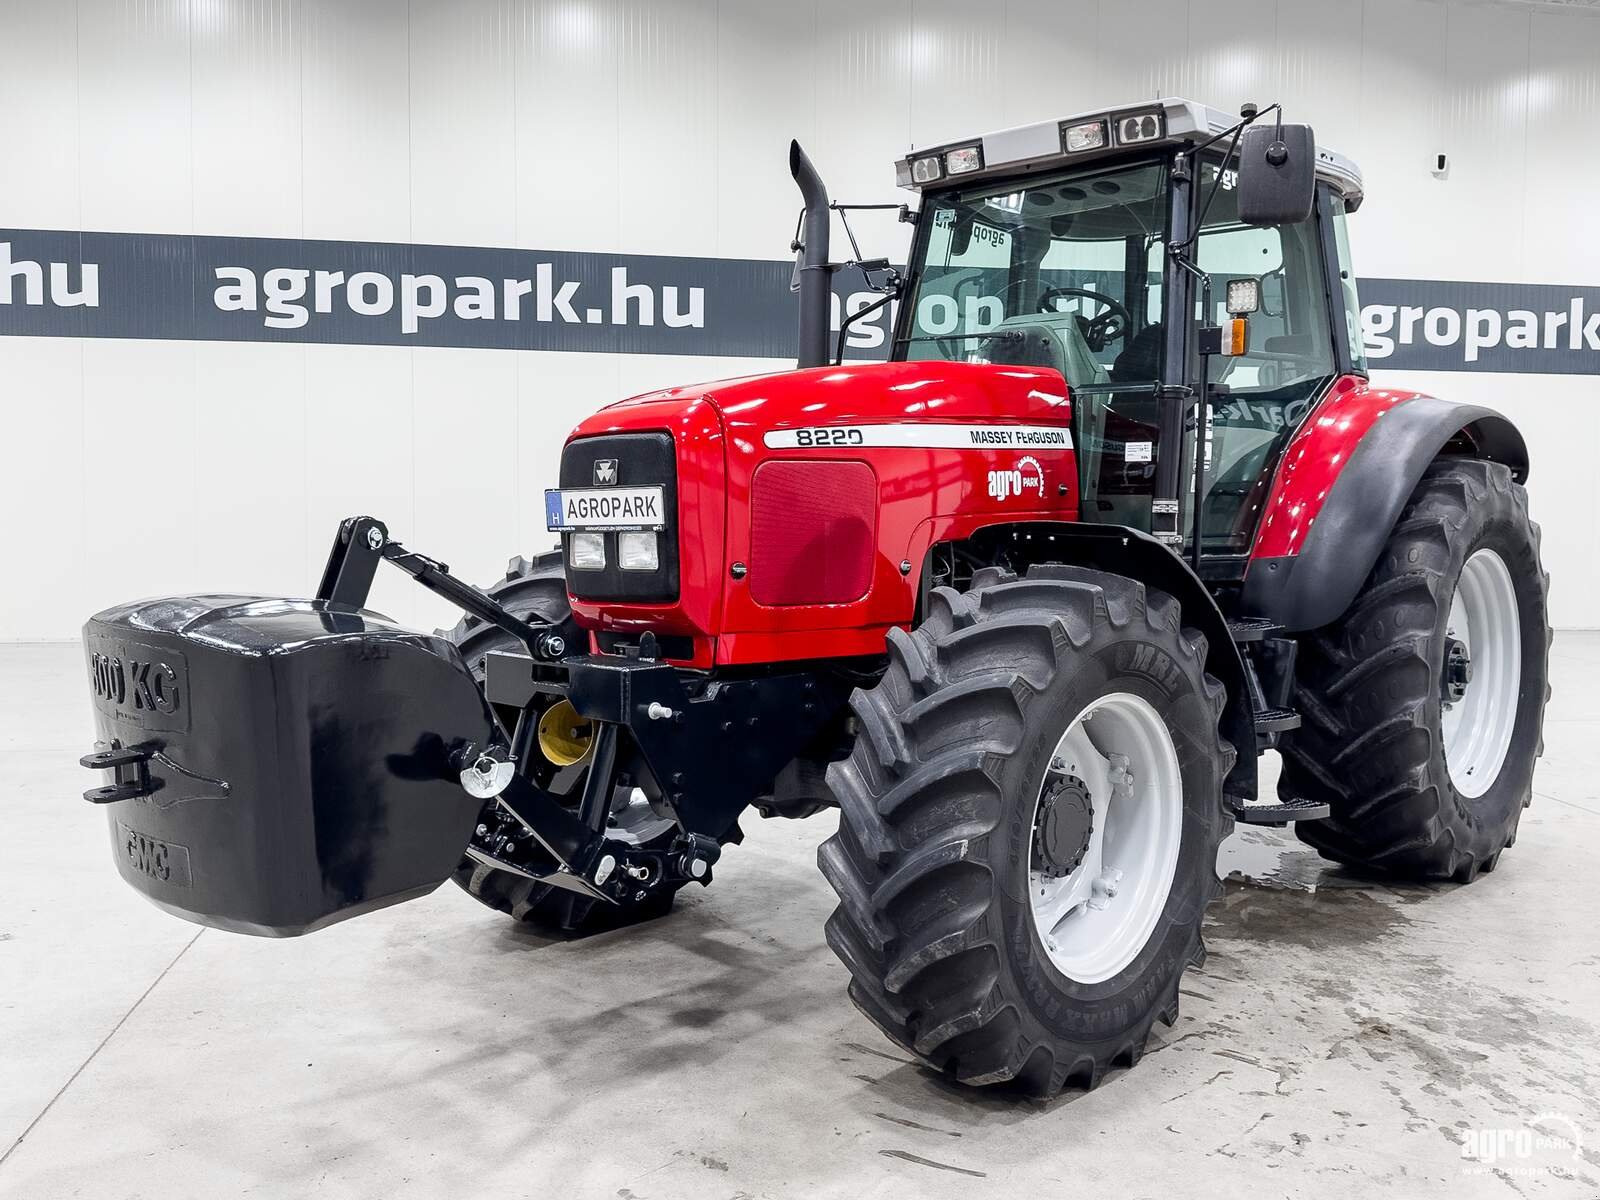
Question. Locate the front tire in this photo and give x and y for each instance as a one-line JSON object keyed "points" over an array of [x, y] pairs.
{"points": [[1423, 706], [945, 834]]}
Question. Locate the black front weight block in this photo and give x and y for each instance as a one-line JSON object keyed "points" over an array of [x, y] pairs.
{"points": [[279, 764]]}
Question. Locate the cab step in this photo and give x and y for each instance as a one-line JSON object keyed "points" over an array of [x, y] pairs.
{"points": [[1276, 720], [1252, 629], [1280, 813]]}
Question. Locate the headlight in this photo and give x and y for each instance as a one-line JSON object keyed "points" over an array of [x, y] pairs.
{"points": [[1091, 135], [925, 170], [636, 551], [960, 162], [588, 552]]}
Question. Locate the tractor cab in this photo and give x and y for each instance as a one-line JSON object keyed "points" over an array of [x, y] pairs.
{"points": [[1106, 246]]}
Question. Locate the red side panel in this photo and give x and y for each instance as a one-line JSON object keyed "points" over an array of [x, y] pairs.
{"points": [[950, 487], [812, 526], [1313, 459]]}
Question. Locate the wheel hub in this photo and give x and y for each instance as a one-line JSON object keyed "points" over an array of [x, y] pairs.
{"points": [[1457, 670], [1064, 826], [1480, 683], [1106, 831]]}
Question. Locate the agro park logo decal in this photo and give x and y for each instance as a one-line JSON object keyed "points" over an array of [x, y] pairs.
{"points": [[1026, 476]]}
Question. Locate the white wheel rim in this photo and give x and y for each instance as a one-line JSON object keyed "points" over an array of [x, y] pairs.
{"points": [[1094, 921], [1477, 728]]}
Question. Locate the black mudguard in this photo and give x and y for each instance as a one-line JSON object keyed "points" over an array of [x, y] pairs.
{"points": [[279, 765], [1309, 589], [1124, 551]]}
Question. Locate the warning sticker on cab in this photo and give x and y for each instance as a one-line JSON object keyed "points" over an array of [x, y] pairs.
{"points": [[568, 509]]}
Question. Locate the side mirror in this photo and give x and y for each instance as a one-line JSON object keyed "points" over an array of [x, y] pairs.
{"points": [[1277, 174]]}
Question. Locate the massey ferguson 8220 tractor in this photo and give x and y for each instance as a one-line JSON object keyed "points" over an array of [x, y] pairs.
{"points": [[1024, 604]]}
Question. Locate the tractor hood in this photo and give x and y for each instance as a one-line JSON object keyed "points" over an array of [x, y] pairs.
{"points": [[941, 427], [933, 390]]}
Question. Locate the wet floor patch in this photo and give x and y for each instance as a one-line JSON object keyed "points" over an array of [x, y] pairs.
{"points": [[1273, 858]]}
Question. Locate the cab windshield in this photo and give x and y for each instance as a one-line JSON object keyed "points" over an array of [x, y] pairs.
{"points": [[1065, 273], [1067, 270]]}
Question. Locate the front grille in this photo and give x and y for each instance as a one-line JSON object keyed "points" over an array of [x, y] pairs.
{"points": [[642, 460]]}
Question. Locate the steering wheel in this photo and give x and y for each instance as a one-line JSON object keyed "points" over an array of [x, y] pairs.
{"points": [[1109, 326]]}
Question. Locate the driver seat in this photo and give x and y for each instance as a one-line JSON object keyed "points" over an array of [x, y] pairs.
{"points": [[1048, 340]]}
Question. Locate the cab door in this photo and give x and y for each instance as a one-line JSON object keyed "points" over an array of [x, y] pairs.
{"points": [[1258, 398]]}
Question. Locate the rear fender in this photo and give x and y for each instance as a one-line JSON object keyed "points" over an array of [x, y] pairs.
{"points": [[1343, 481], [1119, 550]]}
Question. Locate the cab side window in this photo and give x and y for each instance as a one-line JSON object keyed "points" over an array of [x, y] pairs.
{"points": [[1289, 362]]}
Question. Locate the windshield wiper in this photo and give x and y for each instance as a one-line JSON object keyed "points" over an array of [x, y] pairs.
{"points": [[999, 335]]}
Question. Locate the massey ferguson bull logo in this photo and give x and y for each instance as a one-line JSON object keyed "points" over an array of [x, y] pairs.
{"points": [[605, 471], [1026, 476]]}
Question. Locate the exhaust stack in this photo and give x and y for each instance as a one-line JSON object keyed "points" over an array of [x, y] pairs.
{"points": [[816, 292]]}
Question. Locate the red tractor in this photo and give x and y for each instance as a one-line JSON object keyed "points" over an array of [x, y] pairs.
{"points": [[1025, 603]]}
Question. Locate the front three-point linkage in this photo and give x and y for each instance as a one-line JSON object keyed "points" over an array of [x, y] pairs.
{"points": [[525, 827]]}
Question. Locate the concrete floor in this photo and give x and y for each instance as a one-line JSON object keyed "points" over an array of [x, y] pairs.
{"points": [[1345, 1039]]}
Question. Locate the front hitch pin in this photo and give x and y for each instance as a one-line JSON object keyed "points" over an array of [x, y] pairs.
{"points": [[659, 712], [488, 776]]}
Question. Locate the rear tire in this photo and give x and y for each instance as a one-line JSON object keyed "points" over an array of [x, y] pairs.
{"points": [[536, 587], [1411, 794], [939, 841]]}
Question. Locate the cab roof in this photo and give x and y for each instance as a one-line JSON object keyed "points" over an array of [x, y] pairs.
{"points": [[1044, 145]]}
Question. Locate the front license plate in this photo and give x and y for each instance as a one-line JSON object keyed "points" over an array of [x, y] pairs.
{"points": [[165, 862], [568, 509]]}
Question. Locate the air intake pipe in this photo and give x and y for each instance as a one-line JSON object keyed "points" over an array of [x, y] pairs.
{"points": [[816, 275]]}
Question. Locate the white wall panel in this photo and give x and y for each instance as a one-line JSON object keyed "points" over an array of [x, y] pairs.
{"points": [[658, 127], [1231, 53], [463, 466], [1052, 67], [245, 114], [757, 114], [667, 87], [1560, 243], [1402, 56], [863, 84], [141, 505], [958, 71], [360, 435], [39, 78], [135, 168], [1142, 49], [249, 464], [568, 150], [463, 115], [1318, 50], [356, 149], [43, 471], [1484, 118]]}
